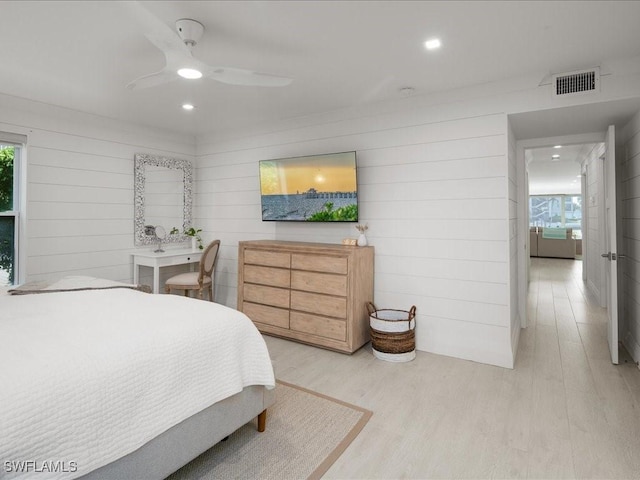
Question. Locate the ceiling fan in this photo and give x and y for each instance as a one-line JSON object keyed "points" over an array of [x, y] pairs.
{"points": [[180, 62]]}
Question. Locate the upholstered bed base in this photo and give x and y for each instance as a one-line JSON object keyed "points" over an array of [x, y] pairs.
{"points": [[185, 441]]}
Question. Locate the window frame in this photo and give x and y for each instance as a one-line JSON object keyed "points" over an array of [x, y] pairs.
{"points": [[19, 200], [563, 210]]}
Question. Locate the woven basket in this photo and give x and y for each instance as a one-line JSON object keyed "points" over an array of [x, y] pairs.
{"points": [[393, 335]]}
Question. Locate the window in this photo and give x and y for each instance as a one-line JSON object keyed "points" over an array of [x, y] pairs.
{"points": [[556, 211], [9, 209]]}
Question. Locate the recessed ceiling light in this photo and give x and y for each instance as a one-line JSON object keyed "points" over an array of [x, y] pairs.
{"points": [[188, 106], [557, 146], [555, 156], [190, 73], [432, 44]]}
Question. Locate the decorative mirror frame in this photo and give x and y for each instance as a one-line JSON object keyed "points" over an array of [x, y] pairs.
{"points": [[140, 161]]}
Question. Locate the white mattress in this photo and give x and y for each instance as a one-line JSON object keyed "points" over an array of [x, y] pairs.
{"points": [[90, 376]]}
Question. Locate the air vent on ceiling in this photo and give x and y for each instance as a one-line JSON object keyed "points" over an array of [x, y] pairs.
{"points": [[583, 81]]}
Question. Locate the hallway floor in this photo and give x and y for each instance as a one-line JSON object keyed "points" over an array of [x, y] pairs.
{"points": [[564, 411]]}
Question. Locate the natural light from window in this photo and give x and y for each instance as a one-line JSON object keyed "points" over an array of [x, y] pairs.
{"points": [[8, 214], [561, 211]]}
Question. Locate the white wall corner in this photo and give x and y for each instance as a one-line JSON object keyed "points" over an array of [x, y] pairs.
{"points": [[515, 340], [632, 346]]}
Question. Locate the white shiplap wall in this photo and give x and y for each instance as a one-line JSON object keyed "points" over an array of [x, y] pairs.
{"points": [[594, 236], [631, 237], [514, 241], [434, 193], [80, 188]]}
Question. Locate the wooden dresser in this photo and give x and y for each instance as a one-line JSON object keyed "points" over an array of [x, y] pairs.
{"points": [[314, 293]]}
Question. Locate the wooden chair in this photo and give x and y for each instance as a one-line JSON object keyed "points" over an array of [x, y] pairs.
{"points": [[197, 280]]}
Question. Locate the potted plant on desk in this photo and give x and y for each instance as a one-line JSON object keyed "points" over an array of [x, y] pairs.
{"points": [[196, 239]]}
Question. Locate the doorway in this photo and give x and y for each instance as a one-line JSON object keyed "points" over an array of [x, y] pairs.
{"points": [[529, 130], [564, 206], [556, 182]]}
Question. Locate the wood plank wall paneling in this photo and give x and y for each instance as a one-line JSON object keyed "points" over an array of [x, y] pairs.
{"points": [[436, 196], [514, 241], [630, 170], [80, 191]]}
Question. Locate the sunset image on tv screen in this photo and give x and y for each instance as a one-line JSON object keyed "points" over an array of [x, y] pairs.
{"points": [[312, 188]]}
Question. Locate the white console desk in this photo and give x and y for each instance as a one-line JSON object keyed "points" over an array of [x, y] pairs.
{"points": [[163, 259]]}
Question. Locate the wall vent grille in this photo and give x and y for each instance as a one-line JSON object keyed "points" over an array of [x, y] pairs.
{"points": [[584, 81]]}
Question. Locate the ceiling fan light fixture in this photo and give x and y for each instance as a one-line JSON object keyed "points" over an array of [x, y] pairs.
{"points": [[190, 73]]}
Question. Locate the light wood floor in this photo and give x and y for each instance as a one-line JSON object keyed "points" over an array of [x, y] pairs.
{"points": [[564, 412]]}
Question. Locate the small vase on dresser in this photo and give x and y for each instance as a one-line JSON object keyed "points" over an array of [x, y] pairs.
{"points": [[362, 239]]}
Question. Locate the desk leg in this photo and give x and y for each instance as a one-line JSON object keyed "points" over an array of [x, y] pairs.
{"points": [[156, 279], [136, 273]]}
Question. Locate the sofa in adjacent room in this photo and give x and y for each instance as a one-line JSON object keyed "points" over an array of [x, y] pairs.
{"points": [[552, 242]]}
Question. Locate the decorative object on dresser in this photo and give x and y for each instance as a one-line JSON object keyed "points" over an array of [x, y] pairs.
{"points": [[199, 280], [314, 293], [362, 239]]}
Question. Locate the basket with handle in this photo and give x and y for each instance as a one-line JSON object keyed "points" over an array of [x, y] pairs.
{"points": [[393, 335]]}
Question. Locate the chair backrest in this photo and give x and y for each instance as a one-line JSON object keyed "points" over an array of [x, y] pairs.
{"points": [[208, 260]]}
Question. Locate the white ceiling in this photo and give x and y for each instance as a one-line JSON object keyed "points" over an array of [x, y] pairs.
{"points": [[548, 176], [81, 55]]}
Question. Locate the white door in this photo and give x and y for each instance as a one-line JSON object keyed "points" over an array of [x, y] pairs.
{"points": [[611, 267]]}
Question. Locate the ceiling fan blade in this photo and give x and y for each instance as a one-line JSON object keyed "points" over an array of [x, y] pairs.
{"points": [[237, 76], [166, 40], [178, 55], [159, 33], [158, 78]]}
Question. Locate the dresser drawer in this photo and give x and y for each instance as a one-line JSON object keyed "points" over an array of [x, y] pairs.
{"points": [[319, 263], [277, 297], [270, 259], [267, 315], [320, 326], [319, 282], [319, 304], [275, 277]]}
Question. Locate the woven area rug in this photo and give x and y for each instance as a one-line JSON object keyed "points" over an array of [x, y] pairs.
{"points": [[306, 433]]}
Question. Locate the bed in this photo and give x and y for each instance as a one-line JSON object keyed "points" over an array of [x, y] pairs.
{"points": [[109, 382]]}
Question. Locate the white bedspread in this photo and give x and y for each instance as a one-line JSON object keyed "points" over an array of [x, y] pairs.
{"points": [[87, 377]]}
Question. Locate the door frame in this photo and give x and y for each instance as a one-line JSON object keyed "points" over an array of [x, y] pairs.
{"points": [[523, 206]]}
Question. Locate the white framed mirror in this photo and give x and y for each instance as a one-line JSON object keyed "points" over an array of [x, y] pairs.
{"points": [[163, 197]]}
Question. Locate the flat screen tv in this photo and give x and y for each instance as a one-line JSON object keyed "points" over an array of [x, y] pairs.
{"points": [[315, 188]]}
